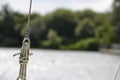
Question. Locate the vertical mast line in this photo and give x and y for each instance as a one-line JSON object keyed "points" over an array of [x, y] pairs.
{"points": [[28, 23], [116, 73]]}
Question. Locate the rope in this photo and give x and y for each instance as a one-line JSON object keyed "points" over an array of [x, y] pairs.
{"points": [[117, 71], [24, 54], [27, 33]]}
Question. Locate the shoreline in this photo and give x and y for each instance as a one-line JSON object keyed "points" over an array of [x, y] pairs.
{"points": [[111, 51]]}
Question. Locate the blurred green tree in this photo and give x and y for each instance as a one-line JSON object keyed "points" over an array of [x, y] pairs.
{"points": [[63, 22], [116, 20], [61, 29], [85, 44], [85, 14], [38, 29], [7, 27], [53, 42], [104, 34], [85, 29]]}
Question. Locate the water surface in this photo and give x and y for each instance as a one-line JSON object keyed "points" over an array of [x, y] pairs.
{"points": [[60, 65]]}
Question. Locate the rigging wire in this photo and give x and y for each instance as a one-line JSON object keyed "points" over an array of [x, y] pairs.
{"points": [[117, 72], [27, 33]]}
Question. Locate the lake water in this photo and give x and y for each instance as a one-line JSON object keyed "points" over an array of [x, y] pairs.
{"points": [[60, 65]]}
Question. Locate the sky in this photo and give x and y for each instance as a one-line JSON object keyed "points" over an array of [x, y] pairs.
{"points": [[46, 6]]}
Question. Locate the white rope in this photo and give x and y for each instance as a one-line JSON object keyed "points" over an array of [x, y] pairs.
{"points": [[24, 55]]}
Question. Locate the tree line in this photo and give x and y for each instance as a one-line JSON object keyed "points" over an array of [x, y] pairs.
{"points": [[62, 28]]}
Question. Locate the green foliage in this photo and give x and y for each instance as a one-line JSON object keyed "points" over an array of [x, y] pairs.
{"points": [[85, 44], [62, 21], [104, 33], [116, 20], [8, 34], [89, 14], [85, 29], [53, 41], [61, 29]]}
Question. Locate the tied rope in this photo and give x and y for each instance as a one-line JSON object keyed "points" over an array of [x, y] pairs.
{"points": [[24, 54]]}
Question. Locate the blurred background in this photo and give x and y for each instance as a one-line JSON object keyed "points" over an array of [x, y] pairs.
{"points": [[89, 28], [65, 25]]}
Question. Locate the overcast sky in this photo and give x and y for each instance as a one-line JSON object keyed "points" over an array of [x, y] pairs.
{"points": [[45, 6]]}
